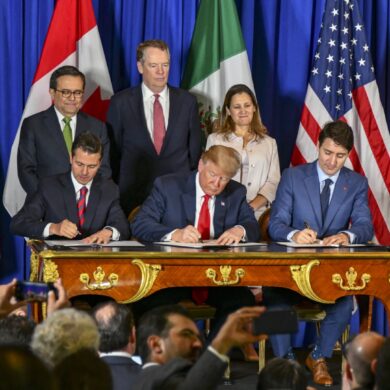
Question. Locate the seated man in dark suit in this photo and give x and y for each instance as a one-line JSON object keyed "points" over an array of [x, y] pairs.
{"points": [[190, 207], [320, 200], [171, 348], [78, 204], [46, 137], [117, 342]]}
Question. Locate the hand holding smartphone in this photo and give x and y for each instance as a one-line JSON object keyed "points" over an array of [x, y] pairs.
{"points": [[276, 322], [33, 291]]}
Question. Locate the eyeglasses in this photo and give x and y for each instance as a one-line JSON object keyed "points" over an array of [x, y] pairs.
{"points": [[67, 93]]}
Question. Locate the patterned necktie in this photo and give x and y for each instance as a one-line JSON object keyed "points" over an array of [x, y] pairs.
{"points": [[67, 132], [158, 124], [325, 196], [81, 206], [200, 294]]}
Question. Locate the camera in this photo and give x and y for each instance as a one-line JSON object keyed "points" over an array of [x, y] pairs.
{"points": [[33, 291]]}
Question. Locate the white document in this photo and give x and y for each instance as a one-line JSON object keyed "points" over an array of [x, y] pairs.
{"points": [[205, 244], [80, 243], [319, 244]]}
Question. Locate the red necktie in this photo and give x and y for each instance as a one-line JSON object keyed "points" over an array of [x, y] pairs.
{"points": [[200, 294], [158, 124], [81, 205]]}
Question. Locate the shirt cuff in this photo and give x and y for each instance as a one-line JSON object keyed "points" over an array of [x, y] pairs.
{"points": [[290, 235], [168, 236], [351, 236], [115, 233], [220, 356], [46, 230], [243, 238]]}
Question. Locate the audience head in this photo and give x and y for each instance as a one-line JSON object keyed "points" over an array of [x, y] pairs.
{"points": [[21, 369], [334, 144], [63, 333], [240, 108], [16, 330], [382, 367], [167, 332], [281, 373], [153, 63], [67, 85], [84, 370], [87, 153], [216, 167], [361, 354], [115, 323]]}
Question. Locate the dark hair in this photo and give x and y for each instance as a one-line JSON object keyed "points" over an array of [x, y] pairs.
{"points": [[115, 325], [20, 368], [156, 322], [339, 132], [157, 43], [87, 142], [66, 70], [382, 367], [281, 373], [84, 370], [16, 330], [225, 125]]}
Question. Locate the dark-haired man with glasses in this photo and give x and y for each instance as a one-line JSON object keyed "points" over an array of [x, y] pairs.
{"points": [[46, 137]]}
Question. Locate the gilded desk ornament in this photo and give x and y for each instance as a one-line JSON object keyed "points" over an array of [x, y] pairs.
{"points": [[149, 273], [99, 283], [225, 271], [50, 271], [301, 276], [34, 265], [351, 276]]}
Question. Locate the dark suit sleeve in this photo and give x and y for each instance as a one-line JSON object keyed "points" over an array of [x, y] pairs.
{"points": [[105, 167], [147, 225], [194, 134], [248, 221], [26, 158]]}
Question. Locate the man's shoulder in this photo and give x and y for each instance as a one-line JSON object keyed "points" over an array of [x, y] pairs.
{"points": [[181, 93], [127, 93], [352, 175], [89, 118], [40, 115]]}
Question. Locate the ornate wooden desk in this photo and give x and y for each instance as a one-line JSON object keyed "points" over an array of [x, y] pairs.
{"points": [[129, 274]]}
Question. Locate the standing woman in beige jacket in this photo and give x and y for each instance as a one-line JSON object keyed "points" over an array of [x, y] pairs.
{"points": [[239, 127]]}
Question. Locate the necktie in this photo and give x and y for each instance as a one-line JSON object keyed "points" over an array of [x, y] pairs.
{"points": [[325, 196], [81, 206], [200, 294], [67, 132], [158, 124]]}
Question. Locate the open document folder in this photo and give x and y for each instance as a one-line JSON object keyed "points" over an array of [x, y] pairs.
{"points": [[207, 244], [319, 244]]}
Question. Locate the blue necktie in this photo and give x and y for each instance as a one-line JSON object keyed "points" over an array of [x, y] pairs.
{"points": [[325, 196]]}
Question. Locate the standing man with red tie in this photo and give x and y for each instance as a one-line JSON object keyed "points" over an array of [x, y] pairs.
{"points": [[80, 204], [155, 127], [188, 208]]}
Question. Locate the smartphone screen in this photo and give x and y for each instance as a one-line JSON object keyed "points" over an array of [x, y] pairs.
{"points": [[33, 291], [276, 322]]}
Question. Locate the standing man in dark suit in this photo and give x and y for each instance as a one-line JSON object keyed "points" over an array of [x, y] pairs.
{"points": [[176, 210], [320, 200], [46, 138], [78, 204], [117, 342], [170, 346], [155, 127]]}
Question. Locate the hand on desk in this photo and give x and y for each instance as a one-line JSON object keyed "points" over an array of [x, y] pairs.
{"points": [[340, 239], [231, 236], [101, 237], [64, 229], [305, 236], [187, 234]]}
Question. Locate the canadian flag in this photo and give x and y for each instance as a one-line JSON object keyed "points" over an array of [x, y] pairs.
{"points": [[72, 39]]}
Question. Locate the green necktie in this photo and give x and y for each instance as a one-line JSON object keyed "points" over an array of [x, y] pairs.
{"points": [[68, 134]]}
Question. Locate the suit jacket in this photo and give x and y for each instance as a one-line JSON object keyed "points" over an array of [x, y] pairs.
{"points": [[135, 161], [42, 150], [124, 371], [172, 205], [181, 374], [298, 201], [55, 201]]}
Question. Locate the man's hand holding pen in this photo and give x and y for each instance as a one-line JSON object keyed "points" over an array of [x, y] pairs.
{"points": [[305, 236]]}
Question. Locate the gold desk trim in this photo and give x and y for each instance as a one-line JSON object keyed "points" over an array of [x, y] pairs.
{"points": [[50, 271], [225, 271], [351, 276], [301, 276], [149, 273], [99, 283]]}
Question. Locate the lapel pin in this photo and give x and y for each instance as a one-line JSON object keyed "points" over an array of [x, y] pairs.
{"points": [[223, 204]]}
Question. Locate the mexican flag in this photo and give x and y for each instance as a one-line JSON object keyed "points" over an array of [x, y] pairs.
{"points": [[217, 58]]}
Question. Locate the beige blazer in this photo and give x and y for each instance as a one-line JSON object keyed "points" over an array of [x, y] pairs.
{"points": [[263, 171]]}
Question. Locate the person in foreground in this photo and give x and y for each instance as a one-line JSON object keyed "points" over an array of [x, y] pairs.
{"points": [[171, 348], [77, 205], [320, 200], [382, 380], [46, 137]]}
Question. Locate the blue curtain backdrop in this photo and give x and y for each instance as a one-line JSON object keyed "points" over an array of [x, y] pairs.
{"points": [[280, 37]]}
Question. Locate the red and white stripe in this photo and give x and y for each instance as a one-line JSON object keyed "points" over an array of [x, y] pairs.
{"points": [[370, 155], [72, 39]]}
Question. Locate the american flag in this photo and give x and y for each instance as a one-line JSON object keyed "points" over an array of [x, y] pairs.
{"points": [[342, 86]]}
